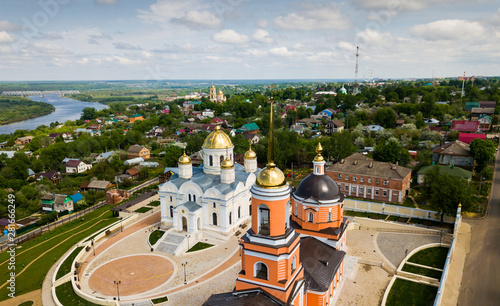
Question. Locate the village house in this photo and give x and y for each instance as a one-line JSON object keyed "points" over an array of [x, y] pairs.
{"points": [[77, 166], [469, 137], [96, 186], [464, 126], [56, 202], [454, 153], [52, 176], [251, 128], [361, 177], [135, 117], [24, 140], [333, 126], [478, 112], [138, 151]]}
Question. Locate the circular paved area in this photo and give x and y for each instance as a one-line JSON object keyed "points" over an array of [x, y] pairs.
{"points": [[137, 274]]}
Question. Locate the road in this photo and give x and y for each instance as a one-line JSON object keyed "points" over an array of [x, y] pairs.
{"points": [[481, 277]]}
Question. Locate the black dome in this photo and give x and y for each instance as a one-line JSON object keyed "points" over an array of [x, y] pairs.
{"points": [[318, 187]]}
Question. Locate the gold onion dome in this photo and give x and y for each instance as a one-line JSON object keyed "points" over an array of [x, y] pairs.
{"points": [[319, 157], [217, 140], [250, 154], [271, 177], [184, 159], [227, 163]]}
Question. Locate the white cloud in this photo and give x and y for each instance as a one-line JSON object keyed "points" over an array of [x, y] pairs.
{"points": [[94, 39], [126, 46], [255, 52], [262, 36], [121, 60], [261, 23], [281, 51], [372, 37], [165, 11], [400, 5], [112, 2], [202, 18], [230, 37], [346, 46], [314, 18], [6, 37], [452, 29], [5, 25]]}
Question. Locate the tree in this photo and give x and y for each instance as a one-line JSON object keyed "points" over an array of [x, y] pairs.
{"points": [[391, 152], [88, 113], [386, 117], [483, 152], [172, 155], [445, 192]]}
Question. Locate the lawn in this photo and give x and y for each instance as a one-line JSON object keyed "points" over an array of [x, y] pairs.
{"points": [[154, 203], [155, 236], [27, 303], [200, 246], [143, 209], [422, 271], [410, 293], [159, 300], [68, 297], [65, 267], [42, 252], [432, 257]]}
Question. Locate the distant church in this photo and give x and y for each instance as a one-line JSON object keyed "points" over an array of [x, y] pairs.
{"points": [[214, 196], [294, 252], [217, 97]]}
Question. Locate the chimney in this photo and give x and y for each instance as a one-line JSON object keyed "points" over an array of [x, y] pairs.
{"points": [[355, 162], [342, 161], [370, 165]]}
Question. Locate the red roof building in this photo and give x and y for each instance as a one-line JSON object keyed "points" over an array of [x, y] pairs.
{"points": [[468, 137], [464, 126]]}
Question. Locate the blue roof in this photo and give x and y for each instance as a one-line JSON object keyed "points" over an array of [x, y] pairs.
{"points": [[76, 197]]}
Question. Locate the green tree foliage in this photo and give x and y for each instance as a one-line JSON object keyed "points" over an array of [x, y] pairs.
{"points": [[339, 145], [88, 113], [172, 155], [13, 109], [446, 192], [194, 142], [483, 152], [392, 152], [386, 117]]}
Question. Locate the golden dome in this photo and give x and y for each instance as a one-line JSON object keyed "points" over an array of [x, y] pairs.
{"points": [[217, 140], [319, 157], [184, 159], [250, 154], [227, 163], [270, 177]]}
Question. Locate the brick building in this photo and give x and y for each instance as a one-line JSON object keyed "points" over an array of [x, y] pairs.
{"points": [[138, 151], [361, 177]]}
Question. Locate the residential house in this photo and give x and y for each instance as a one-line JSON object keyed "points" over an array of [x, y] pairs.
{"points": [[470, 105], [454, 153], [77, 166], [361, 177], [121, 118], [478, 112], [216, 120], [320, 93], [309, 122], [77, 197], [115, 196], [297, 128], [135, 117], [56, 202], [105, 155], [253, 138], [251, 128], [488, 104], [469, 137], [131, 174], [138, 151], [484, 123], [52, 176], [190, 104], [333, 126], [400, 122], [208, 113], [24, 140], [444, 169], [156, 131], [96, 186], [95, 127], [464, 126], [431, 121], [91, 132], [326, 113], [374, 128]]}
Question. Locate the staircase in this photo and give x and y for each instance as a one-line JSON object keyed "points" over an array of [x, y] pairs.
{"points": [[170, 243]]}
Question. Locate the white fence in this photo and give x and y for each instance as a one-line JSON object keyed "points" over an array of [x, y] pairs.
{"points": [[396, 210]]}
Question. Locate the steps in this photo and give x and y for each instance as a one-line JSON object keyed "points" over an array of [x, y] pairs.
{"points": [[170, 243]]}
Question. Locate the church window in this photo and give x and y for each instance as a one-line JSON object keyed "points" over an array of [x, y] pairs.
{"points": [[214, 205], [194, 197], [329, 216], [377, 181], [211, 160], [214, 219], [260, 270], [230, 217], [239, 212], [170, 199], [221, 159], [171, 211], [294, 263], [189, 195], [311, 217], [296, 208]]}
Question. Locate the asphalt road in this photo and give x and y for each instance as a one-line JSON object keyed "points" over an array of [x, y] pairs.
{"points": [[481, 277]]}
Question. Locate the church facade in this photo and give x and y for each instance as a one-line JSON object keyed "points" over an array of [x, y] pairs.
{"points": [[216, 96], [214, 196]]}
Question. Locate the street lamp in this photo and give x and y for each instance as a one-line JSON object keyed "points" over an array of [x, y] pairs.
{"points": [[93, 247], [117, 288], [121, 223], [187, 236], [184, 264]]}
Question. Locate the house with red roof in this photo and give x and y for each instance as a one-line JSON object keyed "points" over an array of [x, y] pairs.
{"points": [[468, 137], [465, 126]]}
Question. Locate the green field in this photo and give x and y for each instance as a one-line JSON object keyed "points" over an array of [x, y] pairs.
{"points": [[422, 271], [68, 297], [431, 257], [410, 293], [143, 209], [65, 267], [34, 258], [200, 246], [155, 236], [154, 203], [159, 300]]}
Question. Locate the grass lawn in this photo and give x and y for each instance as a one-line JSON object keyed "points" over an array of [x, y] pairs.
{"points": [[155, 236], [27, 303], [42, 252], [410, 293], [200, 246], [432, 257], [68, 297], [154, 203], [422, 271], [65, 267], [143, 209], [159, 300]]}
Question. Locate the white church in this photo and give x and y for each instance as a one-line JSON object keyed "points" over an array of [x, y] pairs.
{"points": [[215, 196]]}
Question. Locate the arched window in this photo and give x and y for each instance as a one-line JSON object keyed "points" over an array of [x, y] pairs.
{"points": [[260, 270], [294, 263], [329, 216], [221, 159], [214, 219], [230, 217], [264, 219], [189, 195], [194, 197], [311, 217], [210, 160], [171, 211], [239, 212]]}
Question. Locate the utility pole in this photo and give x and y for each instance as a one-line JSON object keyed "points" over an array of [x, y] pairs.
{"points": [[356, 85], [463, 85]]}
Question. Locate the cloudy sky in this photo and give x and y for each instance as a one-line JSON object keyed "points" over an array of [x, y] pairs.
{"points": [[247, 39]]}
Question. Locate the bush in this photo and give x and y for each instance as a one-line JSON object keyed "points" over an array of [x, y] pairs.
{"points": [[46, 219]]}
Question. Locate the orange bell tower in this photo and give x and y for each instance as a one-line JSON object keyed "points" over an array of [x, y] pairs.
{"points": [[270, 255]]}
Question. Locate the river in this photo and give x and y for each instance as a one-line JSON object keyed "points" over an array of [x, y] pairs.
{"points": [[66, 109]]}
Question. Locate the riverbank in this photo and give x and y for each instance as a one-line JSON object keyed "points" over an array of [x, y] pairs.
{"points": [[16, 109]]}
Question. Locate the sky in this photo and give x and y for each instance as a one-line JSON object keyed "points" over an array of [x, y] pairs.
{"points": [[247, 39]]}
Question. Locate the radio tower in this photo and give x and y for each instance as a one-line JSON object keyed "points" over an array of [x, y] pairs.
{"points": [[463, 85], [356, 85]]}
